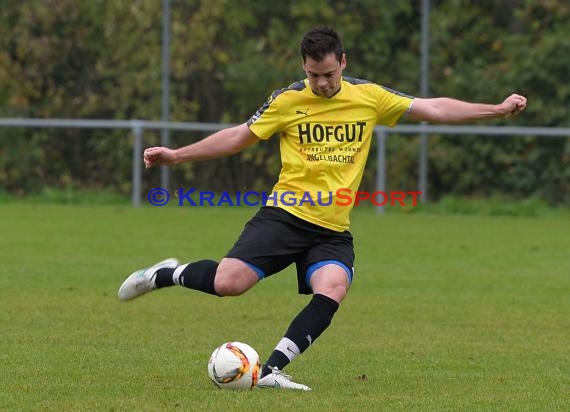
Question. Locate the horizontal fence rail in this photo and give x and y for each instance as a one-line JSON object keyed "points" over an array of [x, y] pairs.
{"points": [[426, 129], [138, 126]]}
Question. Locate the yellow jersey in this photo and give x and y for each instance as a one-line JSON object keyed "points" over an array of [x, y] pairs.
{"points": [[324, 145]]}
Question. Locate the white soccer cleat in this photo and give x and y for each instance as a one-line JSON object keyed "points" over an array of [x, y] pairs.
{"points": [[142, 281], [278, 380]]}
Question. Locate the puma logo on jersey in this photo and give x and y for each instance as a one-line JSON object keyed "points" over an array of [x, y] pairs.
{"points": [[306, 112]]}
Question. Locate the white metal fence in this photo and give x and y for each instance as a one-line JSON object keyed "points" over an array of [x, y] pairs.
{"points": [[139, 126]]}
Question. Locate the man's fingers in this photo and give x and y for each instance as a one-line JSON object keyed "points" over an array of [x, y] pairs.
{"points": [[517, 104], [150, 156], [152, 150], [154, 156]]}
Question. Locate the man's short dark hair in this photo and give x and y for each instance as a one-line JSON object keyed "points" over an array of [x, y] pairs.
{"points": [[319, 42]]}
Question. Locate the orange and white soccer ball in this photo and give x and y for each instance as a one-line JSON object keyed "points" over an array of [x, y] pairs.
{"points": [[234, 365]]}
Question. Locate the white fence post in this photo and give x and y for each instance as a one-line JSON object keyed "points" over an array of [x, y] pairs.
{"points": [[381, 164], [137, 160]]}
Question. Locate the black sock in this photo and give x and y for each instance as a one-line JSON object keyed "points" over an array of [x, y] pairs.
{"points": [[164, 278], [198, 276], [307, 326]]}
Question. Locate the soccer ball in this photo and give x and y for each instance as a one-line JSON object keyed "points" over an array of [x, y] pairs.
{"points": [[234, 365]]}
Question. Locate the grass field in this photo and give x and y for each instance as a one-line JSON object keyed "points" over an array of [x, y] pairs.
{"points": [[446, 313]]}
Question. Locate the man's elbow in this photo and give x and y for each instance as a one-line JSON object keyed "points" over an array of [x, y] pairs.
{"points": [[242, 138], [427, 110], [432, 116]]}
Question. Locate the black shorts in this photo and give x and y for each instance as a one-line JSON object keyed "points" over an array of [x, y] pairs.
{"points": [[273, 239]]}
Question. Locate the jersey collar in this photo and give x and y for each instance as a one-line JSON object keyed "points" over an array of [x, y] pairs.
{"points": [[316, 95]]}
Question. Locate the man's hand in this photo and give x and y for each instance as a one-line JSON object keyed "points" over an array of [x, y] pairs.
{"points": [[513, 105], [156, 156]]}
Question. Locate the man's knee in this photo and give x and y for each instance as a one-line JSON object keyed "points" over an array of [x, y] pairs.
{"points": [[331, 281], [234, 277]]}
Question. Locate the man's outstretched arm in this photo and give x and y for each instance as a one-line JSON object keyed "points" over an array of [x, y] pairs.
{"points": [[223, 143], [446, 110]]}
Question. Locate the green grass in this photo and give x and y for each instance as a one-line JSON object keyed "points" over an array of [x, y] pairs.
{"points": [[493, 206], [446, 313], [69, 196]]}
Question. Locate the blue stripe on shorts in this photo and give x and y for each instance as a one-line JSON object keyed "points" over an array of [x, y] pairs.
{"points": [[258, 271], [315, 266]]}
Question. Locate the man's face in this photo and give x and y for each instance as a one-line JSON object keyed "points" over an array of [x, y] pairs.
{"points": [[325, 75]]}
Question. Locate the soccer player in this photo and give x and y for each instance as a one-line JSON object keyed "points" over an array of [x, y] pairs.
{"points": [[325, 124]]}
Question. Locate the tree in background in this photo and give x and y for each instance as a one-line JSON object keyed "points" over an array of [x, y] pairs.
{"points": [[63, 58]]}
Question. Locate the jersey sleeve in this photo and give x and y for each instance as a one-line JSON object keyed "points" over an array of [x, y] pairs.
{"points": [[267, 120], [392, 105]]}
